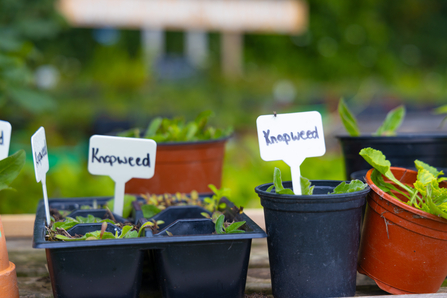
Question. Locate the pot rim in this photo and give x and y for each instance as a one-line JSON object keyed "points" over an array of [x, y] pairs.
{"points": [[399, 136], [398, 203], [199, 142], [317, 198]]}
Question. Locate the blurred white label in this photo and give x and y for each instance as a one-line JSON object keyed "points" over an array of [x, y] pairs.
{"points": [[40, 154], [5, 138]]}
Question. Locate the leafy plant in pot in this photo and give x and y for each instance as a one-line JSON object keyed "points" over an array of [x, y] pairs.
{"points": [[313, 238], [401, 149], [189, 155], [405, 230]]}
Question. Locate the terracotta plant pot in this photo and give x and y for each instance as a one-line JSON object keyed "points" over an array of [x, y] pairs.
{"points": [[8, 276], [183, 167], [402, 248]]}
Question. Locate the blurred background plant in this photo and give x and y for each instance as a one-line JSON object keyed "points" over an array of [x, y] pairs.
{"points": [[77, 82]]}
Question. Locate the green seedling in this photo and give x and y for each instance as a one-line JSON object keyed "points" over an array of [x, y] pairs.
{"points": [[393, 120], [70, 222], [223, 227], [425, 194], [213, 203], [127, 207], [127, 232], [178, 130], [157, 203], [307, 187]]}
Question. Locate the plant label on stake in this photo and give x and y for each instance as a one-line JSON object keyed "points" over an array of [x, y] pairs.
{"points": [[5, 138], [121, 159], [292, 138], [41, 165]]}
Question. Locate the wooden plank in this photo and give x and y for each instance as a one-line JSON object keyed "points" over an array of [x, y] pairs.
{"points": [[18, 225], [283, 16]]}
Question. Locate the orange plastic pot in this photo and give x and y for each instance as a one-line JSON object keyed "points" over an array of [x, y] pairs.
{"points": [[8, 276], [402, 248], [183, 167]]}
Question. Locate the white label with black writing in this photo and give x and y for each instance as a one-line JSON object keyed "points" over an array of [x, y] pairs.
{"points": [[292, 138], [5, 138], [41, 164], [121, 159]]}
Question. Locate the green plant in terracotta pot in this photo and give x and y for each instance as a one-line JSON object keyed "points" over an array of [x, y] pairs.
{"points": [[400, 148], [405, 231], [189, 155]]}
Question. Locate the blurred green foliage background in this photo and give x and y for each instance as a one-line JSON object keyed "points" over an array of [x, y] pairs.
{"points": [[372, 51]]}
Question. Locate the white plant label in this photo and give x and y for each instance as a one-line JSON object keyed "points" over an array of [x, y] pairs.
{"points": [[41, 164], [121, 159], [292, 138], [5, 138]]}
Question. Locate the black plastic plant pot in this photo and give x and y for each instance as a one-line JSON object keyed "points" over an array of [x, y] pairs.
{"points": [[400, 150], [313, 240]]}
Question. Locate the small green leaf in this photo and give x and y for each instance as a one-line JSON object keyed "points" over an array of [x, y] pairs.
{"points": [[143, 226], [348, 120], [131, 234], [377, 160], [65, 238], [270, 188], [277, 181], [127, 205], [206, 215], [392, 122], [10, 168], [420, 165], [125, 230], [235, 226], [219, 224], [153, 127], [353, 186], [306, 188], [149, 210], [286, 191], [216, 215]]}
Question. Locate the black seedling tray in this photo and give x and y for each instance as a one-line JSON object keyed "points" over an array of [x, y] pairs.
{"points": [[194, 264]]}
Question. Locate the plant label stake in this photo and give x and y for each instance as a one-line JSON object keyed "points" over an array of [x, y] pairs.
{"points": [[292, 138], [41, 165], [5, 137], [121, 159]]}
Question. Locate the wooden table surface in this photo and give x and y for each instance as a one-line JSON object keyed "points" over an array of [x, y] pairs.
{"points": [[34, 281]]}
